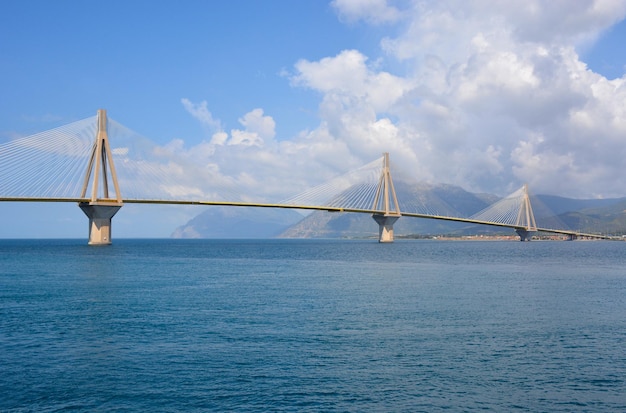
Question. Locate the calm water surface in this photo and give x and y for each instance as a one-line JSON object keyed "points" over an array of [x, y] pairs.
{"points": [[303, 325]]}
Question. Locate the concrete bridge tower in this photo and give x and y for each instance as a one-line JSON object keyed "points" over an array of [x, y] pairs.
{"points": [[386, 200], [525, 217], [100, 173]]}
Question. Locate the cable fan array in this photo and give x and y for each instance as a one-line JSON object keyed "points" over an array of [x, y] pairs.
{"points": [[506, 211], [47, 164], [148, 171], [510, 210], [53, 165], [353, 190]]}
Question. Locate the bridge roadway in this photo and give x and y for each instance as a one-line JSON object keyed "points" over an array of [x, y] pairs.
{"points": [[308, 207]]}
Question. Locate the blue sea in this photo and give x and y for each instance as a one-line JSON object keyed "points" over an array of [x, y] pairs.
{"points": [[312, 325]]}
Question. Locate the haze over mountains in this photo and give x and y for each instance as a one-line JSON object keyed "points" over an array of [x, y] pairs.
{"points": [[586, 215], [238, 222]]}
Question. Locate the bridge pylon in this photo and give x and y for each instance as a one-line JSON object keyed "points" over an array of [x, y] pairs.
{"points": [[386, 202], [100, 173], [525, 222]]}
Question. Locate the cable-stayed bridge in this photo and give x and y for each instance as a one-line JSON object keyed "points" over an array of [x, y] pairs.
{"points": [[101, 165]]}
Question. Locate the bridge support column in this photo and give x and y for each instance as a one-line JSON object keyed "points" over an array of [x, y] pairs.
{"points": [[99, 222], [101, 207], [524, 235], [386, 202], [385, 226]]}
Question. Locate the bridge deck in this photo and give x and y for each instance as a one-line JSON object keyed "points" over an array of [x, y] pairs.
{"points": [[305, 207]]}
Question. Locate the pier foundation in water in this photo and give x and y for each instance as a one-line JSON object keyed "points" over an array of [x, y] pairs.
{"points": [[524, 235], [385, 226], [99, 222]]}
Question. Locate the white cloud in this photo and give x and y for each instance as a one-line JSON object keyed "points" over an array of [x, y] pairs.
{"points": [[501, 74], [239, 137], [348, 75], [480, 94], [344, 72], [247, 163], [256, 122], [447, 27], [258, 128], [201, 112]]}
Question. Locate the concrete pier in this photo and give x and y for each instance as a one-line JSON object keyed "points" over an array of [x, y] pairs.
{"points": [[385, 226], [524, 235], [99, 222]]}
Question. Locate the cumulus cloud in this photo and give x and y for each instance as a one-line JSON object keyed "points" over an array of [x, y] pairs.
{"points": [[258, 128], [489, 79], [348, 75], [475, 93], [251, 163]]}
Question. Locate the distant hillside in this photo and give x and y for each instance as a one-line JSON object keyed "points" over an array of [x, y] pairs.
{"points": [[558, 205], [587, 215], [322, 224], [440, 199], [610, 218], [238, 222]]}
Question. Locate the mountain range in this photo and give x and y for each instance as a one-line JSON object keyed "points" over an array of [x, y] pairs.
{"points": [[586, 215]]}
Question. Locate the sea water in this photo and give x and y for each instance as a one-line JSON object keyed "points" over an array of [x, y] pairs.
{"points": [[312, 325]]}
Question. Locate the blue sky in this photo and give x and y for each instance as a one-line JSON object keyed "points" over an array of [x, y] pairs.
{"points": [[485, 96], [63, 60]]}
